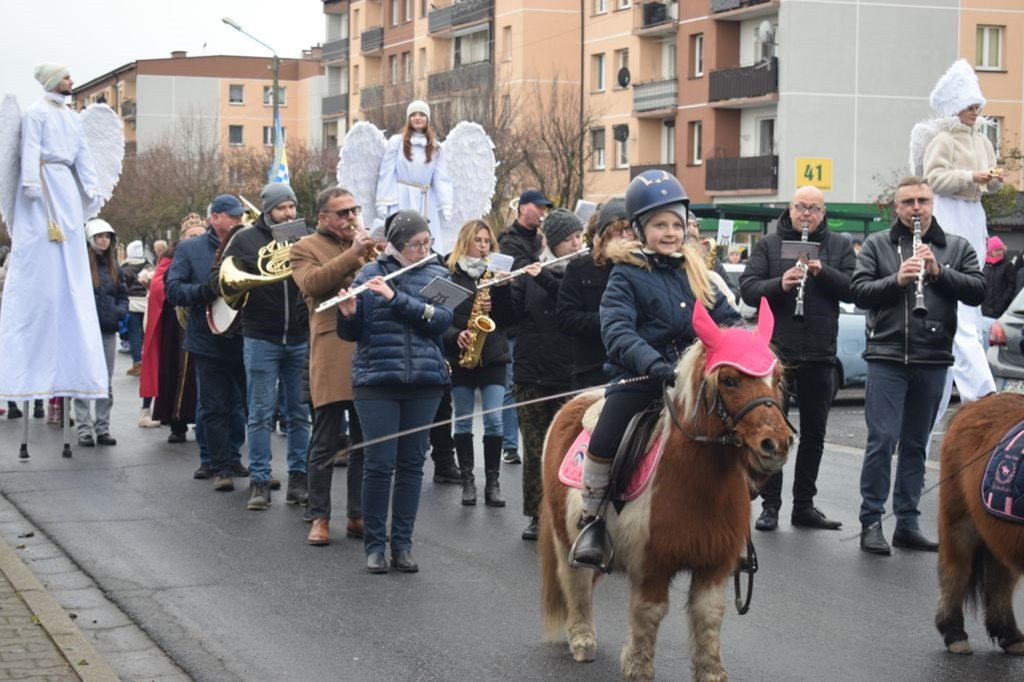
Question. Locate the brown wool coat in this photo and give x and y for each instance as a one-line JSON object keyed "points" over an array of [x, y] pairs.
{"points": [[322, 264]]}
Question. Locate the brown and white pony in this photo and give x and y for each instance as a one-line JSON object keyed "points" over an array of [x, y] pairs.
{"points": [[981, 557], [694, 516]]}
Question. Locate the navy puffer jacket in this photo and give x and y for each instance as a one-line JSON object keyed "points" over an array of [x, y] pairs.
{"points": [[111, 297], [394, 345]]}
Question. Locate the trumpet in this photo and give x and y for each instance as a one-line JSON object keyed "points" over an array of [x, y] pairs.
{"points": [[919, 310], [798, 312], [515, 273], [352, 293]]}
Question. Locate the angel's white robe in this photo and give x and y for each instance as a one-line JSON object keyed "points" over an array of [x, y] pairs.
{"points": [[399, 183], [49, 332]]}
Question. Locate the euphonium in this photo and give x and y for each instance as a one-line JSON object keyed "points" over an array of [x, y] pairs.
{"points": [[251, 213], [480, 325], [235, 282]]}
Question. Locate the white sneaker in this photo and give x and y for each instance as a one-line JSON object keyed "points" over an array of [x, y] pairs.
{"points": [[146, 420]]}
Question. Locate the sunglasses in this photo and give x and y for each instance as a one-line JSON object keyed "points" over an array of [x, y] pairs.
{"points": [[346, 212]]}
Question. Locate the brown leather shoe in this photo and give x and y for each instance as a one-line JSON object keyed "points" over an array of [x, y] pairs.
{"points": [[319, 532], [354, 528], [135, 370]]}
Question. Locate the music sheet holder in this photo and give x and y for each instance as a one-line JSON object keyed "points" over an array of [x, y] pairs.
{"points": [[794, 250], [444, 292], [289, 232]]}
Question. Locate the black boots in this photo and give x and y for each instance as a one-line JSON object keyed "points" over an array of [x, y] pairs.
{"points": [[492, 469], [464, 453], [593, 546]]}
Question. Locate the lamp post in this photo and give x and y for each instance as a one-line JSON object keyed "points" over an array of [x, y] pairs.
{"points": [[274, 67]]}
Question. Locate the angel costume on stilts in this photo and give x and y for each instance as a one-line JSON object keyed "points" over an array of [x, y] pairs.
{"points": [[469, 165], [948, 152], [50, 184]]}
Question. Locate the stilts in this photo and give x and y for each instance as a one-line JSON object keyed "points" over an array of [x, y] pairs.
{"points": [[67, 427], [23, 453]]}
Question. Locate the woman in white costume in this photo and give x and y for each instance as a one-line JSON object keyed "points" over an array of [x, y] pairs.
{"points": [[413, 177]]}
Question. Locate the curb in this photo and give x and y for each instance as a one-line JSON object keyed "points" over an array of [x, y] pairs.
{"points": [[72, 645]]}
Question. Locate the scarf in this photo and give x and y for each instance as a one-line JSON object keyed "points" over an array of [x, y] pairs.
{"points": [[669, 262], [390, 250], [547, 255], [474, 267]]}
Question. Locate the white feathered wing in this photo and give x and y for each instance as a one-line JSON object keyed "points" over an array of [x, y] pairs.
{"points": [[105, 135], [469, 160], [359, 166], [10, 157]]}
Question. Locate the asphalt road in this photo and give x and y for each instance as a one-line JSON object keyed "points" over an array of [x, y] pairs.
{"points": [[236, 595]]}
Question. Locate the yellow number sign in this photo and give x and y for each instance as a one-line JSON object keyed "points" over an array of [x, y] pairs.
{"points": [[816, 172]]}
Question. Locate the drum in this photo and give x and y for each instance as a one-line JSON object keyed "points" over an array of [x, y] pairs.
{"points": [[222, 318]]}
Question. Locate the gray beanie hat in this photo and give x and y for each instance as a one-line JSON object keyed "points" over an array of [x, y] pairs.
{"points": [[274, 193], [559, 225], [611, 210], [402, 226]]}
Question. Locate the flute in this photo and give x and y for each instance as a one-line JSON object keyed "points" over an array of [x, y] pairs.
{"points": [[516, 273], [352, 293]]}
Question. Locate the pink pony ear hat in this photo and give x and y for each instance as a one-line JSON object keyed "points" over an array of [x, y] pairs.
{"points": [[748, 351]]}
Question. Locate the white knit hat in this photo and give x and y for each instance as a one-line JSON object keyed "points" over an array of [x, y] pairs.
{"points": [[419, 106], [50, 74], [957, 89]]}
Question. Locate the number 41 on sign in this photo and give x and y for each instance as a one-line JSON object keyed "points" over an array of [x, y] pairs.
{"points": [[816, 172]]}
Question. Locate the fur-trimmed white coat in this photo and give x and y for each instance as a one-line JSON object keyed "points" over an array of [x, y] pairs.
{"points": [[953, 156]]}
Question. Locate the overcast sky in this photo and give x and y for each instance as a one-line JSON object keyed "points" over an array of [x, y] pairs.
{"points": [[95, 37]]}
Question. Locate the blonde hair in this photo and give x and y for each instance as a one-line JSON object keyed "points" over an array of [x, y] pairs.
{"points": [[621, 251], [465, 239]]}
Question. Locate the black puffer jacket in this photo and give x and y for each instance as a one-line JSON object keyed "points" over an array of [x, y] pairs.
{"points": [[1000, 278], [494, 355], [274, 312], [814, 339], [579, 317], [111, 297], [524, 246], [543, 355], [893, 333]]}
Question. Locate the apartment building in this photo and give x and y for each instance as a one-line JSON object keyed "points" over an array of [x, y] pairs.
{"points": [[226, 100]]}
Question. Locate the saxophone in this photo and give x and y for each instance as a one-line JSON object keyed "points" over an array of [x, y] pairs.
{"points": [[479, 327]]}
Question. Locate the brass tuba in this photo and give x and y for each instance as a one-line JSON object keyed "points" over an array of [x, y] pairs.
{"points": [[480, 325]]}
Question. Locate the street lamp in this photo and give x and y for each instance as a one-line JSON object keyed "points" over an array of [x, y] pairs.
{"points": [[274, 90]]}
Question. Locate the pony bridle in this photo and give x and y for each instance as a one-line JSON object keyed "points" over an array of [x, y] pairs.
{"points": [[731, 421]]}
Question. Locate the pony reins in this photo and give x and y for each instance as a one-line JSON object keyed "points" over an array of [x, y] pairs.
{"points": [[731, 421]]}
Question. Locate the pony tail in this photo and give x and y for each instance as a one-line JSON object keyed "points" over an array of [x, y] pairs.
{"points": [[700, 284]]}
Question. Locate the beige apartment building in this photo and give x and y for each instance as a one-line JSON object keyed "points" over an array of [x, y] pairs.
{"points": [[226, 100]]}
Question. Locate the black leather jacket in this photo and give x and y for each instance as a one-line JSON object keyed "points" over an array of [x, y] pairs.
{"points": [[893, 333]]}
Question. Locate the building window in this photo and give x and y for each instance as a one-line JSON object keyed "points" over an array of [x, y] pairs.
{"points": [[235, 136], [622, 153], [621, 62], [268, 135], [393, 69], [423, 8], [697, 42], [766, 137], [394, 12], [355, 78], [994, 132], [668, 142], [668, 59], [506, 39], [623, 4], [597, 72], [406, 67], [236, 94], [408, 10], [422, 62], [471, 48], [597, 142], [282, 96], [696, 143], [989, 48], [600, 6]]}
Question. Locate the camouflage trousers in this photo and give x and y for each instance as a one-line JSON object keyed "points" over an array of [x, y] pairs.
{"points": [[534, 420]]}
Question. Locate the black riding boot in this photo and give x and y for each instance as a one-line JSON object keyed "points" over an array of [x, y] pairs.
{"points": [[492, 469], [593, 546], [464, 451]]}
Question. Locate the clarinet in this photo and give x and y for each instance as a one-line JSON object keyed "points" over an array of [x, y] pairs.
{"points": [[798, 313], [919, 310]]}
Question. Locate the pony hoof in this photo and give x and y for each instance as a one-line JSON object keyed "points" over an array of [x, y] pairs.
{"points": [[584, 650], [961, 648], [637, 670], [711, 675], [1015, 649]]}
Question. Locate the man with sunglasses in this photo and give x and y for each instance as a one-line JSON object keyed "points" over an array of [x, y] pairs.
{"points": [[907, 355], [323, 263], [806, 346]]}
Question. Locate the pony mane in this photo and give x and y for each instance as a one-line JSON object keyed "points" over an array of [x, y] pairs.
{"points": [[689, 373]]}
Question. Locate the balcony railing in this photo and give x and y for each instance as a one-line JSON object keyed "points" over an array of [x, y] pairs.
{"points": [[745, 81], [371, 97], [726, 5], [637, 170], [334, 50], [654, 15], [128, 107], [741, 173], [444, 19], [371, 40], [335, 104], [655, 95], [460, 79]]}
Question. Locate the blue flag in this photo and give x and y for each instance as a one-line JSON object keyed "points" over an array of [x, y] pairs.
{"points": [[279, 168]]}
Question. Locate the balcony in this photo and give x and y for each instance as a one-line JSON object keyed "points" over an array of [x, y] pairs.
{"points": [[334, 105], [655, 19], [445, 19], [654, 98], [669, 168], [745, 174], [334, 50], [745, 82], [371, 97], [460, 79], [128, 108], [371, 40], [729, 5]]}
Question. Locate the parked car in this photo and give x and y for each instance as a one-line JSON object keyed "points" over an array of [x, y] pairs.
{"points": [[1004, 351]]}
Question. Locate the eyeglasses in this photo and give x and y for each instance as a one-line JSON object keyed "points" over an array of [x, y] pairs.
{"points": [[420, 245], [804, 208], [346, 212], [924, 201]]}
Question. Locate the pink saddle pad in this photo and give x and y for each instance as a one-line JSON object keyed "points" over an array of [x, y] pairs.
{"points": [[571, 471]]}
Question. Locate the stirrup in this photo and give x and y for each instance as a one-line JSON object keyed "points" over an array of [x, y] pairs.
{"points": [[595, 526]]}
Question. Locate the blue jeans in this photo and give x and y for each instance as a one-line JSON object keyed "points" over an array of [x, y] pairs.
{"points": [[135, 336], [398, 459], [900, 404], [236, 428], [221, 392], [491, 397], [509, 416], [267, 363]]}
